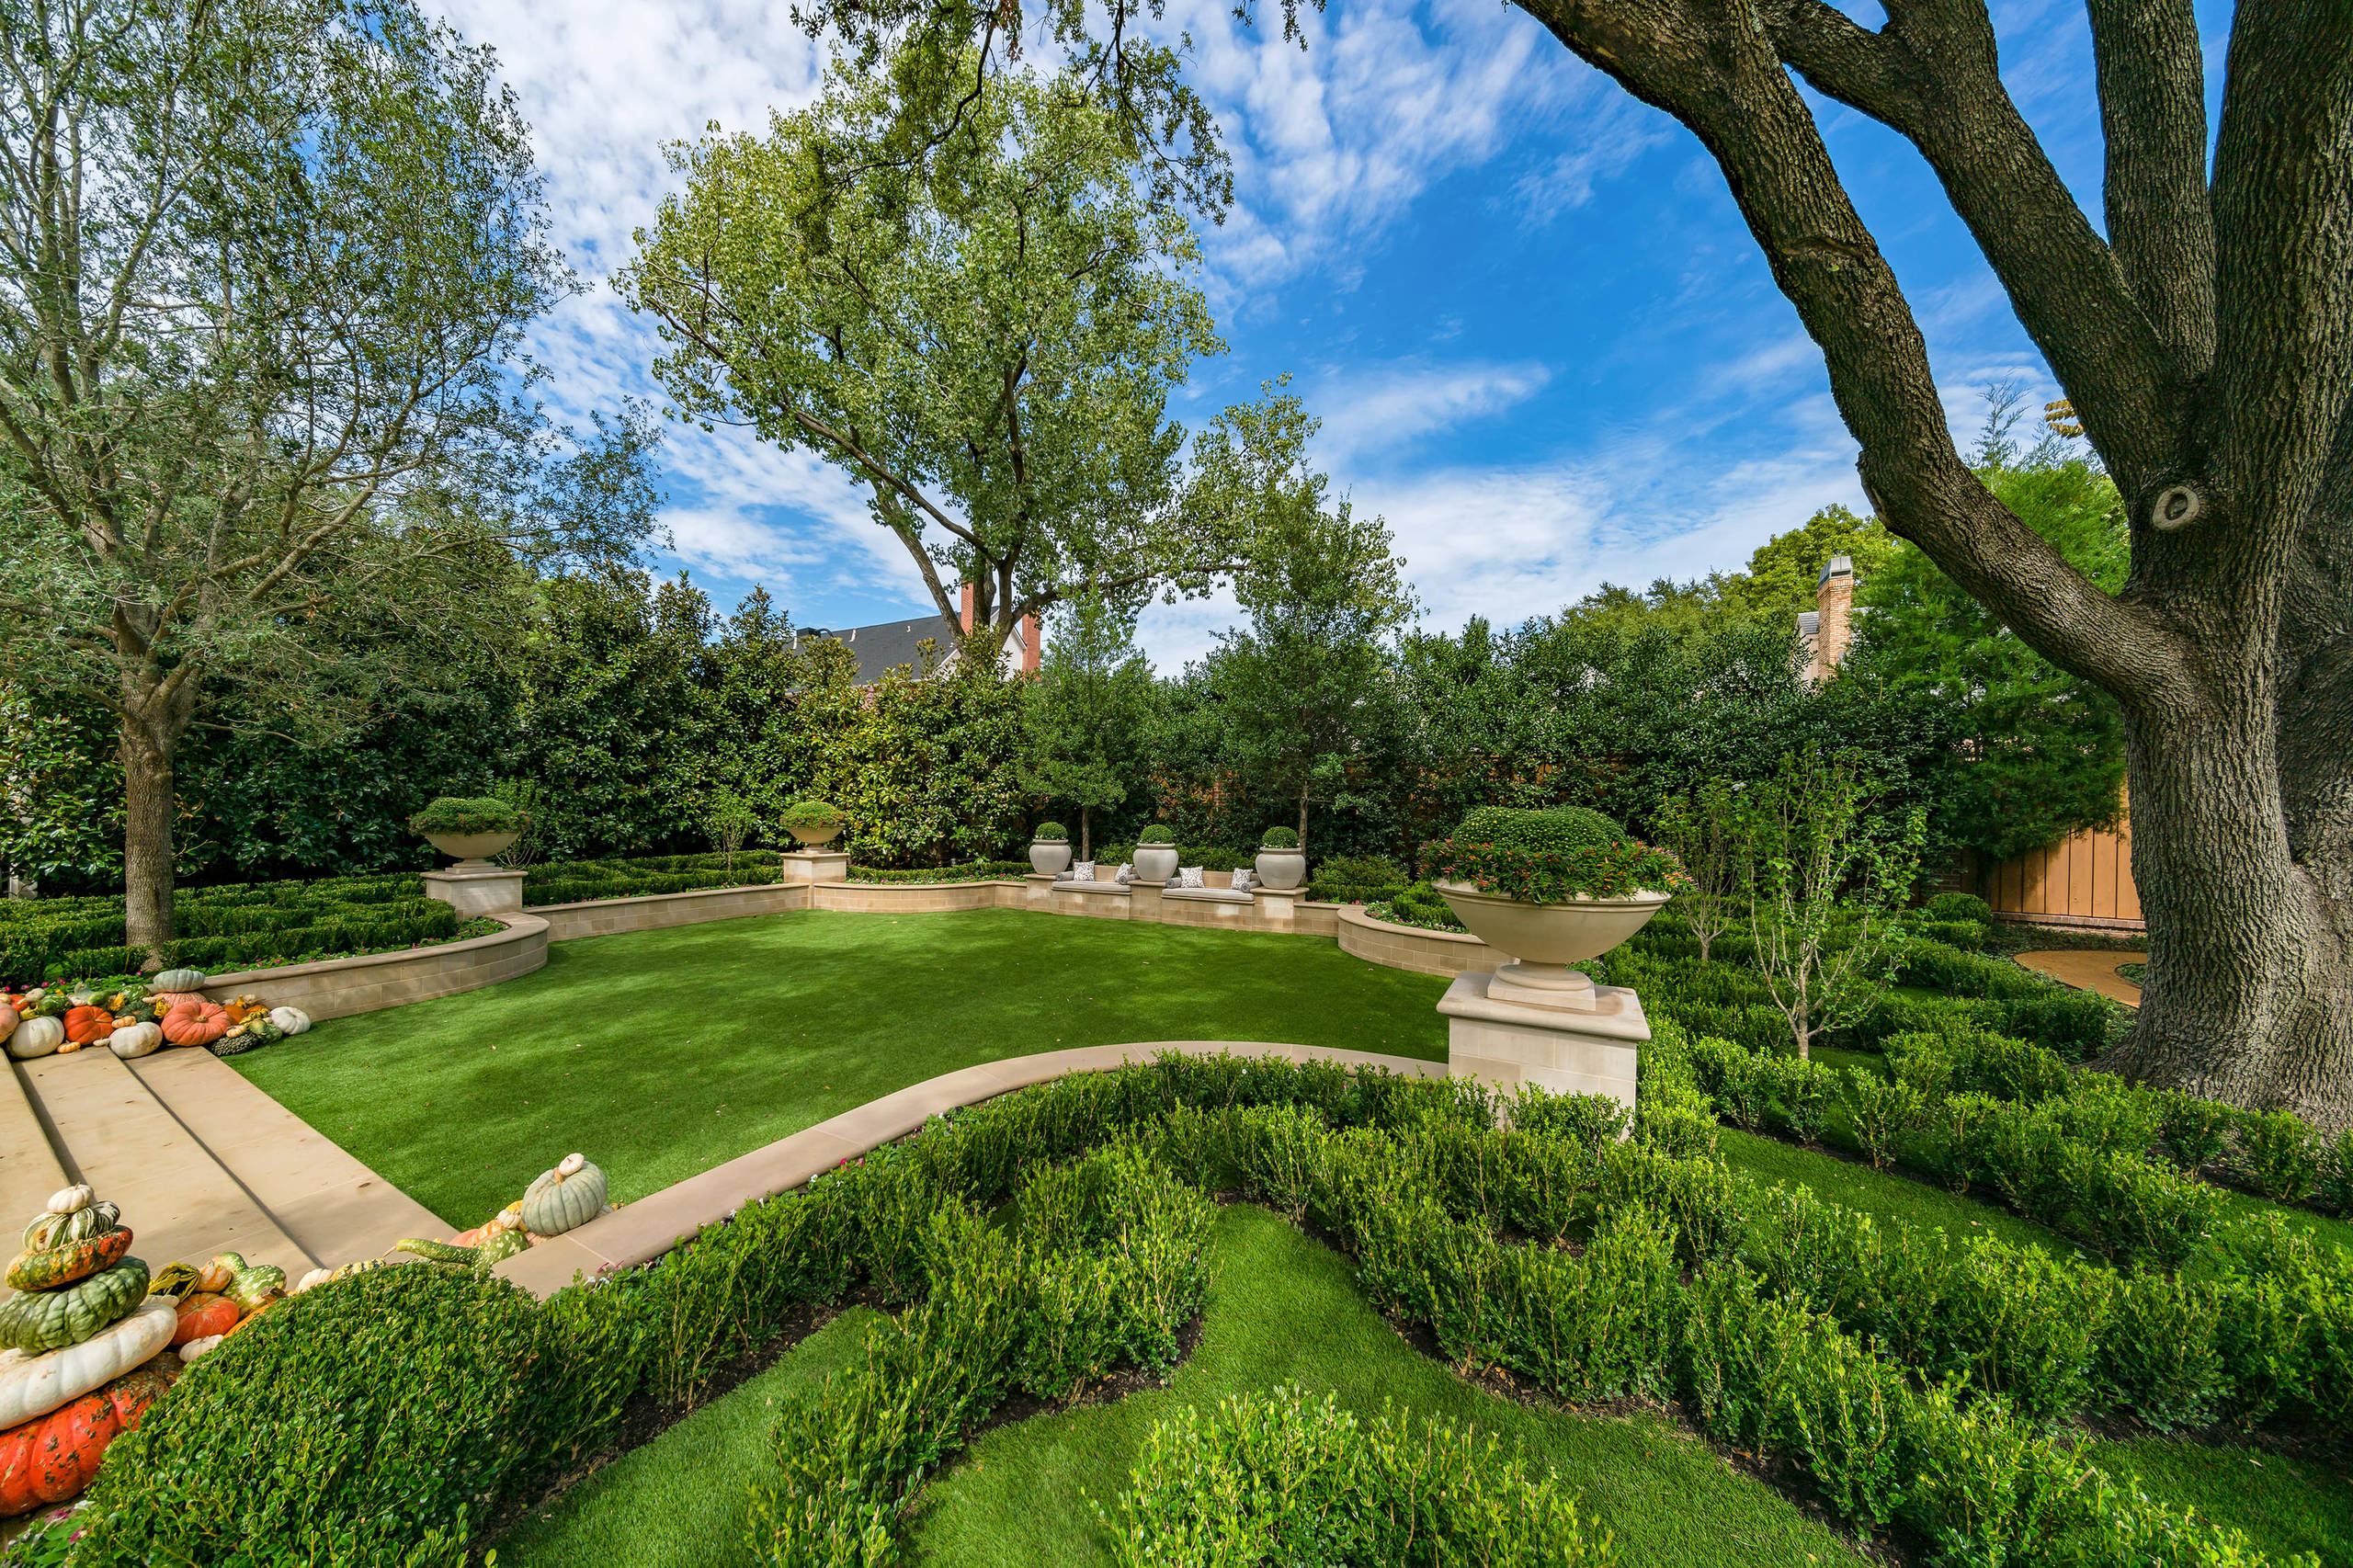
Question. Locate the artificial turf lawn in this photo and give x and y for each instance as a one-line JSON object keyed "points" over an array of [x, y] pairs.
{"points": [[2285, 1506], [1885, 1195], [663, 1053], [1284, 1310]]}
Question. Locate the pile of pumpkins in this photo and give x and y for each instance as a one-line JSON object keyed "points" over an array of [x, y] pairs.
{"points": [[571, 1194], [138, 1020], [81, 1349]]}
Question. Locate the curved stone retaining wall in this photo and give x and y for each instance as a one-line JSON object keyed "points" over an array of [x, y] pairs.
{"points": [[1410, 946], [641, 1232], [652, 912], [336, 988]]}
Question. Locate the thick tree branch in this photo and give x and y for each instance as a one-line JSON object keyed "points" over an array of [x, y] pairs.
{"points": [[1704, 62], [2153, 118], [1933, 76]]}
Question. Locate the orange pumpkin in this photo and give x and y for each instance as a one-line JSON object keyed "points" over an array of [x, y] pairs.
{"points": [[195, 1023], [242, 1009], [88, 1026], [266, 1303], [51, 1456], [165, 1001], [202, 1315]]}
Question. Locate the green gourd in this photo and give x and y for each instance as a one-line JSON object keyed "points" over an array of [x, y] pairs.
{"points": [[250, 1284], [500, 1243], [177, 979], [71, 1216], [35, 1322], [571, 1194]]}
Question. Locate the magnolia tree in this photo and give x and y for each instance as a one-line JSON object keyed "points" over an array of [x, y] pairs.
{"points": [[983, 333], [2203, 331], [264, 270]]}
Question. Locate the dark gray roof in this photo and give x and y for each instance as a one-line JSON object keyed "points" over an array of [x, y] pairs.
{"points": [[890, 642], [1808, 623]]}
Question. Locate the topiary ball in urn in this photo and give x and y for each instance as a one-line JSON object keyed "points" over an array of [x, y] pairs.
{"points": [[1049, 849], [468, 828], [1156, 854], [1282, 864], [1551, 888]]}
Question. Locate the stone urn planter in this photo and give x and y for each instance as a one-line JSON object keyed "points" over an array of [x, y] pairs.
{"points": [[812, 823], [1281, 869], [1545, 940], [814, 836], [1155, 862], [472, 850], [1050, 857]]}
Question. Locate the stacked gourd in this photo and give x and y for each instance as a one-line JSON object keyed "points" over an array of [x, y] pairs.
{"points": [[80, 1349], [138, 1019], [214, 1302], [571, 1194]]}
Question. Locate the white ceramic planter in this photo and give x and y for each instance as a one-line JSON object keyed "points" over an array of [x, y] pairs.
{"points": [[813, 837], [1155, 862], [1547, 939], [1050, 857], [471, 849], [1282, 869]]}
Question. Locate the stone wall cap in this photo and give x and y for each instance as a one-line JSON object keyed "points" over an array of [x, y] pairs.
{"points": [[519, 927]]}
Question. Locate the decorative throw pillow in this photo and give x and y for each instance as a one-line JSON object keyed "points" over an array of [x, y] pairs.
{"points": [[1189, 876], [1081, 870], [1244, 881], [1127, 872]]}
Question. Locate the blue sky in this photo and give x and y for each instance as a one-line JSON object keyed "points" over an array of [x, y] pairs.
{"points": [[1541, 339]]}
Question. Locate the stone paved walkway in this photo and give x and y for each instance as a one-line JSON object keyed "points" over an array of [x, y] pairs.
{"points": [[2086, 968]]}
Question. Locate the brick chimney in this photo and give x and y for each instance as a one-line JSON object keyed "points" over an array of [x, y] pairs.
{"points": [[967, 617], [1030, 651], [1834, 603]]}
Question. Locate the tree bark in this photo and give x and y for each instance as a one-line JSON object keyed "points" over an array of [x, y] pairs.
{"points": [[1302, 822], [154, 711]]}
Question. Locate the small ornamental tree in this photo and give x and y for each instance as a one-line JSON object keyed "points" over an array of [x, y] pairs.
{"points": [[1826, 883], [1084, 718], [730, 822], [1703, 830]]}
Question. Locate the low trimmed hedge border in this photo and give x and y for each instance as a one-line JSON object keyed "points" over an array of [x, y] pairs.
{"points": [[461, 1390]]}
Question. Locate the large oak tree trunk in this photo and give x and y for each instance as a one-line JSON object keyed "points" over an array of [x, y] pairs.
{"points": [[154, 711], [2249, 991]]}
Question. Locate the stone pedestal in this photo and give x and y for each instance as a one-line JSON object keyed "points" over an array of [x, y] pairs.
{"points": [[1278, 904], [1143, 898], [1041, 891], [814, 866], [476, 887], [1587, 1046]]}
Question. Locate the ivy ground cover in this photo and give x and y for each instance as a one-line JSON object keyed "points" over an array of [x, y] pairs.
{"points": [[663, 1053]]}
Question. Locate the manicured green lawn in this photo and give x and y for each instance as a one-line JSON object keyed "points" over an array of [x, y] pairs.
{"points": [[662, 1053], [2284, 1505], [1885, 1195], [1284, 1309]]}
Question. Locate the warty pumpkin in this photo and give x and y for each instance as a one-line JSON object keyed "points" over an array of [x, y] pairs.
{"points": [[49, 1268], [52, 1457], [195, 1023], [37, 1320], [571, 1194]]}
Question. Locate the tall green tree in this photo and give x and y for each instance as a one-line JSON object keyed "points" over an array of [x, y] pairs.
{"points": [[1085, 715], [264, 269], [2037, 752], [984, 338], [1307, 695]]}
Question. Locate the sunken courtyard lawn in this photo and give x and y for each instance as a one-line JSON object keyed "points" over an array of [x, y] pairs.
{"points": [[663, 1053]]}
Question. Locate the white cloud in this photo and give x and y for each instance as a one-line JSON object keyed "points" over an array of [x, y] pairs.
{"points": [[1378, 413]]}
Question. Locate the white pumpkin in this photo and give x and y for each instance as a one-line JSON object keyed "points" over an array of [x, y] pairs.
{"points": [[36, 1037], [293, 1020], [195, 1347], [38, 1384], [135, 1041]]}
